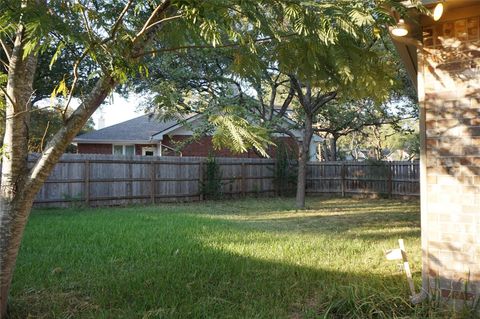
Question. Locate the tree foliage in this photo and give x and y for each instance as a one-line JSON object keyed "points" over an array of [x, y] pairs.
{"points": [[397, 141], [102, 44]]}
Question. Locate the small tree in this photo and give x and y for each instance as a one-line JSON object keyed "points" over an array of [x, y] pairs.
{"points": [[211, 187], [285, 170]]}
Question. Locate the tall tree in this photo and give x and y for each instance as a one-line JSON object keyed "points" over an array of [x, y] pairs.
{"points": [[342, 119], [352, 69], [398, 140], [108, 41]]}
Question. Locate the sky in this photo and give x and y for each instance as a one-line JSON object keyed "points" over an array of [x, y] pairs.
{"points": [[117, 109]]}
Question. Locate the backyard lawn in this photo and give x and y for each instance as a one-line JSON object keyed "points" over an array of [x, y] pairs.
{"points": [[253, 258]]}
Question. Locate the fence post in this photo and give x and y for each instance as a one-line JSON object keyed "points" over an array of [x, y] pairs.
{"points": [[243, 185], [200, 180], [129, 183], [389, 180], [87, 182], [152, 182], [342, 174]]}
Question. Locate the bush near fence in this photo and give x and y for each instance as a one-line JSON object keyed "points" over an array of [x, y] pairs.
{"points": [[99, 180]]}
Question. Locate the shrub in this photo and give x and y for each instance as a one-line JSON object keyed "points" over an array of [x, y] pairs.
{"points": [[285, 171], [211, 187]]}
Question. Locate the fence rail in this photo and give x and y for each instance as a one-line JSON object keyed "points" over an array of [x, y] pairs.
{"points": [[98, 180], [389, 178]]}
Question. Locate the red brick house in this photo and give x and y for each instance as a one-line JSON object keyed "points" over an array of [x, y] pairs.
{"points": [[147, 136]]}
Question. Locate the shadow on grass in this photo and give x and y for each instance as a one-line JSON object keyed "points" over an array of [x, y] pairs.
{"points": [[104, 265]]}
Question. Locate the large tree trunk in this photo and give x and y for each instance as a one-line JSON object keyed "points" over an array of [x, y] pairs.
{"points": [[14, 204], [303, 157], [19, 183]]}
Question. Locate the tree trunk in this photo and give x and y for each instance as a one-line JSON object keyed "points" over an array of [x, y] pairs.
{"points": [[19, 184], [14, 203], [18, 189], [303, 154], [334, 148]]}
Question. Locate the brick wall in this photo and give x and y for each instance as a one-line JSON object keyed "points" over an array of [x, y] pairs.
{"points": [[107, 148], [94, 148], [203, 147], [449, 92]]}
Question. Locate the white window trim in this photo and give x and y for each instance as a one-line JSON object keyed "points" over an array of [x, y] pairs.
{"points": [[123, 148], [149, 149]]}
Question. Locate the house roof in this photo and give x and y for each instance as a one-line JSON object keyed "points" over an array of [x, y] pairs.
{"points": [[147, 129], [139, 129]]}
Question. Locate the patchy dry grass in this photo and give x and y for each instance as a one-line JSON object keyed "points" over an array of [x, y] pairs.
{"points": [[254, 258]]}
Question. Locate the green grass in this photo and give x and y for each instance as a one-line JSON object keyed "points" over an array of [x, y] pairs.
{"points": [[254, 258]]}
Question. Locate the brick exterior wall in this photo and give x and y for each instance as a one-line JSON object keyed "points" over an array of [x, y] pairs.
{"points": [[106, 148], [449, 92], [94, 148], [203, 147]]}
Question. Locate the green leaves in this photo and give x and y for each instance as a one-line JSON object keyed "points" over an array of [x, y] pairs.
{"points": [[56, 55], [238, 134], [209, 31], [3, 79], [61, 88], [321, 42]]}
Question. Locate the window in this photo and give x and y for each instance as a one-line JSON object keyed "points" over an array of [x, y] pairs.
{"points": [[129, 150], [117, 149], [124, 150], [148, 151]]}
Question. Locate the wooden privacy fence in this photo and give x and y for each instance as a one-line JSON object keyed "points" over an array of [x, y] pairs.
{"points": [[97, 180], [386, 178]]}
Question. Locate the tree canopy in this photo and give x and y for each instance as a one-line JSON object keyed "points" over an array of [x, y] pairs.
{"points": [[99, 45]]}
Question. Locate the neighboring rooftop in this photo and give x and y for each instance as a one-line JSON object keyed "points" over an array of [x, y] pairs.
{"points": [[141, 128]]}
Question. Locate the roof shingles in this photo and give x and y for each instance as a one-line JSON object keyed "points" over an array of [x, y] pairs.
{"points": [[141, 128]]}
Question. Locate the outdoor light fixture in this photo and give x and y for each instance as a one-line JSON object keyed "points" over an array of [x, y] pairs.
{"points": [[438, 12], [400, 29]]}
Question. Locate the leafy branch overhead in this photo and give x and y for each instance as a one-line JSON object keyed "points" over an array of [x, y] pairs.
{"points": [[86, 49]]}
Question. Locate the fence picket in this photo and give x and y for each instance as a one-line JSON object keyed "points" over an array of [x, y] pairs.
{"points": [[115, 180]]}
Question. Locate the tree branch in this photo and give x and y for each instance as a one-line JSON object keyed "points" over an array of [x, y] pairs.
{"points": [[117, 23], [87, 24], [298, 88], [42, 142], [9, 97], [6, 49], [32, 110], [56, 146], [164, 20], [75, 80], [160, 8], [206, 46], [323, 100], [286, 103]]}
